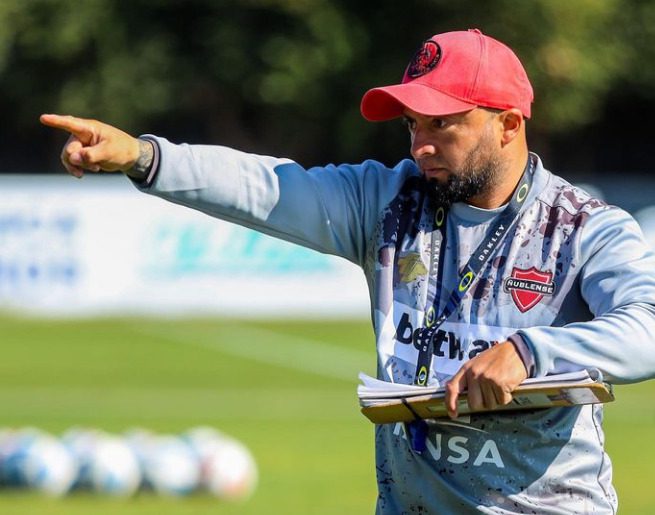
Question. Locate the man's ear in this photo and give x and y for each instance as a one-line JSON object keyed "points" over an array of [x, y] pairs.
{"points": [[513, 124]]}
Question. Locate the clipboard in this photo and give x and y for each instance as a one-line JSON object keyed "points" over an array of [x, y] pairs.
{"points": [[405, 403]]}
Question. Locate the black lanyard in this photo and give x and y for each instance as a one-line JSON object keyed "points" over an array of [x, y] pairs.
{"points": [[424, 336]]}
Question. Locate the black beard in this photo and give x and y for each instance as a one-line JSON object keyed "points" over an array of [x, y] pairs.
{"points": [[467, 182], [459, 188]]}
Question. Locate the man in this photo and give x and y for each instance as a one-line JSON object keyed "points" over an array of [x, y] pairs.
{"points": [[483, 268]]}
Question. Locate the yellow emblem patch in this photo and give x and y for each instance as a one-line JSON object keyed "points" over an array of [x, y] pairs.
{"points": [[411, 266]]}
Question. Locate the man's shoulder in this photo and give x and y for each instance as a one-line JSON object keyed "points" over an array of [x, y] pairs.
{"points": [[562, 194]]}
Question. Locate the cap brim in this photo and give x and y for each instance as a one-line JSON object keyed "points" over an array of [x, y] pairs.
{"points": [[386, 103]]}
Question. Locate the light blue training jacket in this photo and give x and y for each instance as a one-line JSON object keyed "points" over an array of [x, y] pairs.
{"points": [[574, 278]]}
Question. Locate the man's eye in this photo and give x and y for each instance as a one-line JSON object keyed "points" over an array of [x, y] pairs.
{"points": [[439, 123], [410, 124]]}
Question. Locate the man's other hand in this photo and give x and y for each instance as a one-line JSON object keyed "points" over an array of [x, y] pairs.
{"points": [[489, 379]]}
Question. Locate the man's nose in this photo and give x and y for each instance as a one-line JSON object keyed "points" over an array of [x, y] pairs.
{"points": [[422, 146]]}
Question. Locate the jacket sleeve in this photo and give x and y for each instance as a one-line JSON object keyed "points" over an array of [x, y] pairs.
{"points": [[332, 209], [617, 280]]}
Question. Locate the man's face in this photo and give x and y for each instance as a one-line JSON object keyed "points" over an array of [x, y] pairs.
{"points": [[458, 155]]}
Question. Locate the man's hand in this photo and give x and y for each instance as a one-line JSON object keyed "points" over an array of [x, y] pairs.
{"points": [[93, 145], [490, 379]]}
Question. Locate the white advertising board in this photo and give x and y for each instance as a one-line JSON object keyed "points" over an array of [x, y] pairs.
{"points": [[98, 246]]}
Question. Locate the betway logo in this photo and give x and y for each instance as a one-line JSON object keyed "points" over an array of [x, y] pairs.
{"points": [[446, 343]]}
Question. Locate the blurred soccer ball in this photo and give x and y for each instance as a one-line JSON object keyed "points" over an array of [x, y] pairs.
{"points": [[170, 466], [229, 470], [114, 468], [106, 462], [35, 459]]}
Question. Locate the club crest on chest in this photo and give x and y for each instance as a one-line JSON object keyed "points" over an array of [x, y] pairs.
{"points": [[529, 287]]}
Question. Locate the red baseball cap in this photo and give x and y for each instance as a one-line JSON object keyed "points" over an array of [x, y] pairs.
{"points": [[451, 73]]}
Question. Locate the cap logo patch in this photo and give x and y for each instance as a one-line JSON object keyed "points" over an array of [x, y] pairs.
{"points": [[425, 60], [528, 287]]}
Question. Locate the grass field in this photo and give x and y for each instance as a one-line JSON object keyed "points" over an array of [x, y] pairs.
{"points": [[286, 389]]}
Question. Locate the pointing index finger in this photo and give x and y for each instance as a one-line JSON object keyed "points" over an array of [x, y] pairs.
{"points": [[75, 126]]}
